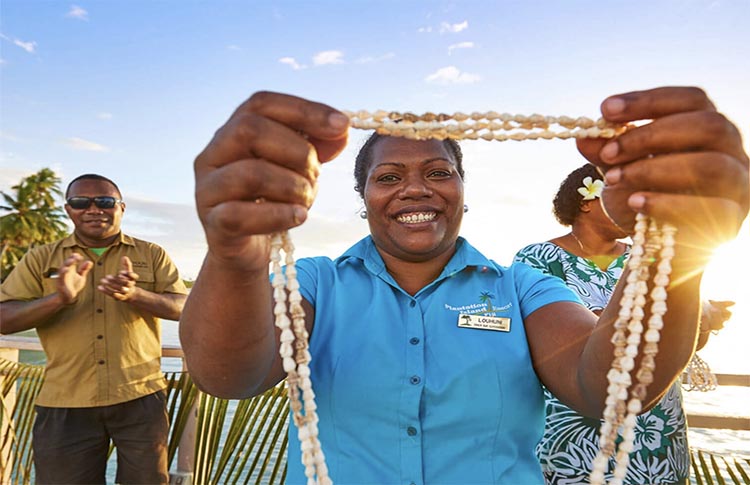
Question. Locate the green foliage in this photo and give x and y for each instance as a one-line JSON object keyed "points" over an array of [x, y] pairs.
{"points": [[32, 217], [251, 449]]}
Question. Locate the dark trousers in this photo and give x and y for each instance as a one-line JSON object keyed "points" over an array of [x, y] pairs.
{"points": [[71, 444]]}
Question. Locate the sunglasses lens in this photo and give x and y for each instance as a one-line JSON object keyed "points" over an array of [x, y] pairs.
{"points": [[105, 202], [79, 202]]}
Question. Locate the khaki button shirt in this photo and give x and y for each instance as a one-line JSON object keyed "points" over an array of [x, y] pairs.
{"points": [[100, 351]]}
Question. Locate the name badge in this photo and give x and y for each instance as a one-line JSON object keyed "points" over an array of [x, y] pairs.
{"points": [[481, 322]]}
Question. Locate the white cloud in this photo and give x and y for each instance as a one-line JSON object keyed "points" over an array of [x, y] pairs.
{"points": [[8, 136], [451, 75], [85, 145], [328, 57], [424, 30], [29, 47], [370, 59], [2, 61], [104, 116], [77, 12], [460, 45], [292, 62], [445, 27], [234, 47]]}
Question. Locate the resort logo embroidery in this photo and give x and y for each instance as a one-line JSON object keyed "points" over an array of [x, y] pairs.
{"points": [[482, 315]]}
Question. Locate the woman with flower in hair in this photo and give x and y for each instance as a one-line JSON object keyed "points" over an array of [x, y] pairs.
{"points": [[590, 259]]}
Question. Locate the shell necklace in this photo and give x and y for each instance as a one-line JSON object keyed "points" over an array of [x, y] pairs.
{"points": [[649, 241]]}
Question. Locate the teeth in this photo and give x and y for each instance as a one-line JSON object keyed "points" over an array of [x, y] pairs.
{"points": [[416, 218]]}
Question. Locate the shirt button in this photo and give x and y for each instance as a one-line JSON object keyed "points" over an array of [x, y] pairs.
{"points": [[411, 431], [414, 340], [99, 310], [412, 303], [415, 380], [100, 337], [101, 362]]}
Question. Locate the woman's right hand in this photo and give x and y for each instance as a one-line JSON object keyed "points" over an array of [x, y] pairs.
{"points": [[258, 175]]}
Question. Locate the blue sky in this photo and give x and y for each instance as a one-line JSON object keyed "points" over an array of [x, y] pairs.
{"points": [[134, 90]]}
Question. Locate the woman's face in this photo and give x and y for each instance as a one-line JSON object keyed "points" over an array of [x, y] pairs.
{"points": [[604, 224], [414, 198]]}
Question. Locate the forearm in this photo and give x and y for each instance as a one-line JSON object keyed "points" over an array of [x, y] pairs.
{"points": [[227, 330], [702, 339], [17, 316], [161, 305], [676, 344]]}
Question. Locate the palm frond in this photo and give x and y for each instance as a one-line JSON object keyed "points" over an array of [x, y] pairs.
{"points": [[254, 442], [709, 468], [24, 382]]}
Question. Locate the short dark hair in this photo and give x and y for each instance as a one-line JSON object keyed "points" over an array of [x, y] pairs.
{"points": [[364, 160], [92, 176], [567, 202]]}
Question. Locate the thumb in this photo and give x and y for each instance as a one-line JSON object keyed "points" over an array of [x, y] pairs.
{"points": [[85, 267], [126, 264]]}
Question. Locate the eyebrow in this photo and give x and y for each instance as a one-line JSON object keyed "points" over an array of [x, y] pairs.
{"points": [[423, 162]]}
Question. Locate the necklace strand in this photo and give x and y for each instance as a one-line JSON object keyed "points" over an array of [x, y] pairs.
{"points": [[648, 241], [580, 244]]}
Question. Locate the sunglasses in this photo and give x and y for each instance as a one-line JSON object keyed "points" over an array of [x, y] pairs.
{"points": [[104, 202]]}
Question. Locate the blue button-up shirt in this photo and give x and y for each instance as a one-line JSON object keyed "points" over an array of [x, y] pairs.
{"points": [[407, 396]]}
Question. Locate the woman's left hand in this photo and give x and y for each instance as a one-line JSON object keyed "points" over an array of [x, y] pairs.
{"points": [[687, 166]]}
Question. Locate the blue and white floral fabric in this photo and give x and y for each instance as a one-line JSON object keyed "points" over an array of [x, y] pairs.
{"points": [[571, 441]]}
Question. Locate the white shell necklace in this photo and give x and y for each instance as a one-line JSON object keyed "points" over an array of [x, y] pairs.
{"points": [[649, 241]]}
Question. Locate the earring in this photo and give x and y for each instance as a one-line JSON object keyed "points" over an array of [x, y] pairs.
{"points": [[466, 208], [363, 214]]}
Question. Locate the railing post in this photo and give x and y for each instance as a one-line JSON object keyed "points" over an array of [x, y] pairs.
{"points": [[186, 447], [8, 403]]}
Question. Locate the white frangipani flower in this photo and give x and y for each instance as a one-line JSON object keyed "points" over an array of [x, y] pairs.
{"points": [[591, 188]]}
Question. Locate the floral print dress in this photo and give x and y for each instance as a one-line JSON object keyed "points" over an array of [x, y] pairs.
{"points": [[571, 441]]}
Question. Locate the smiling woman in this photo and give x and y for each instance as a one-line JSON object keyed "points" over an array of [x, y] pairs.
{"points": [[394, 356]]}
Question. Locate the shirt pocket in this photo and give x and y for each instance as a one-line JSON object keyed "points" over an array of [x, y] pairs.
{"points": [[49, 285], [145, 280], [49, 281]]}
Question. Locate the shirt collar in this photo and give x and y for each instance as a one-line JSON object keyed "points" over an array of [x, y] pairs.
{"points": [[72, 241], [365, 252]]}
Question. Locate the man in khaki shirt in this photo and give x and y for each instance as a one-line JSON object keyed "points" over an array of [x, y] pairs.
{"points": [[95, 299]]}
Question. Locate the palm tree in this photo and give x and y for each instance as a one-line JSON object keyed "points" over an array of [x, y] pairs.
{"points": [[486, 297], [32, 217]]}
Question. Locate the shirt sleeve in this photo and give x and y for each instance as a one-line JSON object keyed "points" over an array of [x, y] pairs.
{"points": [[533, 255], [25, 281], [536, 289], [307, 277], [166, 276]]}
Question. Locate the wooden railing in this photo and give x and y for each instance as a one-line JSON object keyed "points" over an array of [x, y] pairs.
{"points": [[741, 423]]}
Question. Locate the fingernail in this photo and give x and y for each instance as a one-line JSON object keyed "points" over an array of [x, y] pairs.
{"points": [[338, 121], [610, 150], [300, 214], [613, 106], [637, 201], [613, 175]]}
